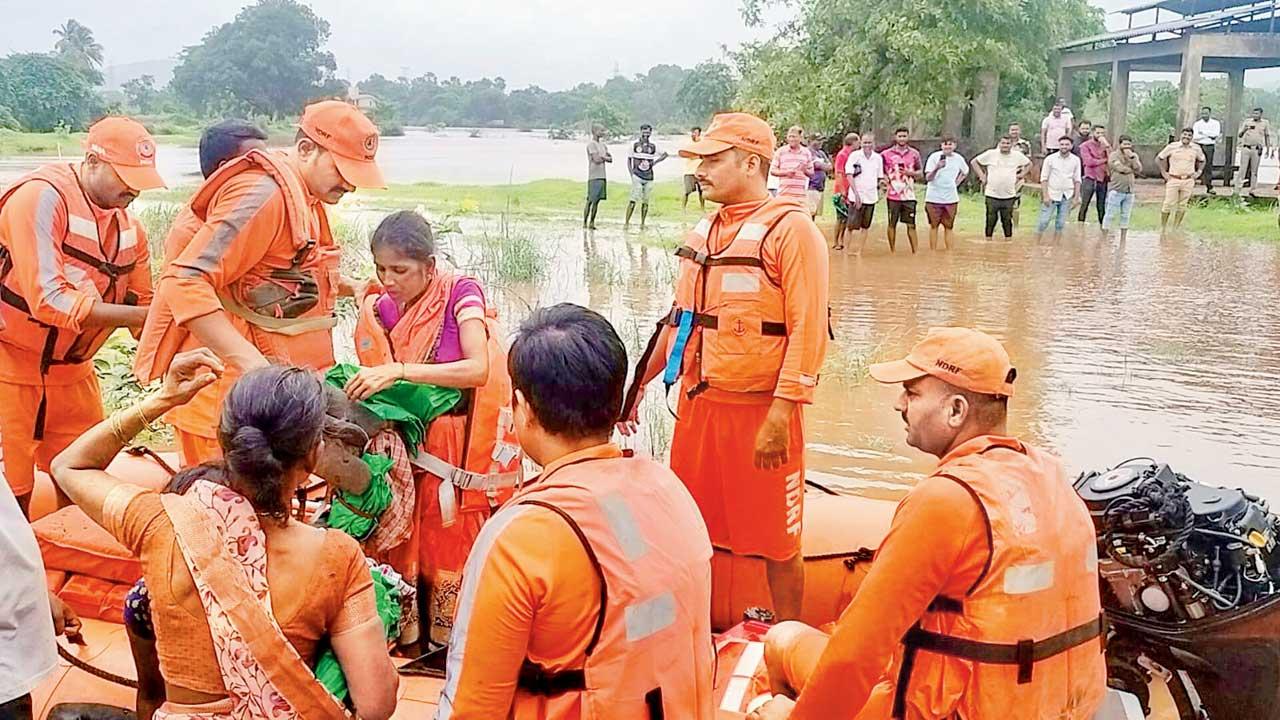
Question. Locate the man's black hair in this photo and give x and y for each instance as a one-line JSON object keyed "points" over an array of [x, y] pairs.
{"points": [[695, 127], [221, 142], [571, 367], [646, 126]]}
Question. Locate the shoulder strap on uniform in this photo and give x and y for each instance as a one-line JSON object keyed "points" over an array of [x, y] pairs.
{"points": [[595, 564]]}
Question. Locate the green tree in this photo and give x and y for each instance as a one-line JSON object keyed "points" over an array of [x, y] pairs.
{"points": [[77, 46], [601, 110], [44, 92], [1151, 121], [142, 94], [840, 59], [269, 60], [708, 89]]}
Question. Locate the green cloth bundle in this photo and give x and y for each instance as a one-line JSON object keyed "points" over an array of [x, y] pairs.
{"points": [[411, 406], [357, 515], [387, 596]]}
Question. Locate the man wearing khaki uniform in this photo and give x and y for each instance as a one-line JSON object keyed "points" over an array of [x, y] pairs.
{"points": [[1180, 164], [1255, 139]]}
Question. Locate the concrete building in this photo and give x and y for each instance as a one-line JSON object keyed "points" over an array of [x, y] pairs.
{"points": [[1188, 37]]}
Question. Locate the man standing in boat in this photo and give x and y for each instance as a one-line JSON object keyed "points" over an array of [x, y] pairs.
{"points": [[746, 338], [73, 268], [256, 280], [983, 600]]}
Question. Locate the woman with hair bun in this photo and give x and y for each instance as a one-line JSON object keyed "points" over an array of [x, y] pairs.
{"points": [[231, 575]]}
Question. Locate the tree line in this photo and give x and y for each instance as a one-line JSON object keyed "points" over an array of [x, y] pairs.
{"points": [[835, 66]]}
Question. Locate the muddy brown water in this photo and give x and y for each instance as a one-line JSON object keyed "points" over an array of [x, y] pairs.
{"points": [[1162, 348]]}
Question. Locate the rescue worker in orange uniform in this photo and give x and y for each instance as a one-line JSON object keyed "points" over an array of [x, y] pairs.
{"points": [[982, 601], [426, 324], [74, 267], [588, 595], [745, 339], [254, 277]]}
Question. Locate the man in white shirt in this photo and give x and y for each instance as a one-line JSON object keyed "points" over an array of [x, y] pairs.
{"points": [[30, 616], [1205, 133], [1059, 187], [944, 171], [1001, 171], [865, 170]]}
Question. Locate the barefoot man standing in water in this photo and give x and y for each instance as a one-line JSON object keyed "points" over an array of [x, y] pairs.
{"points": [[746, 337]]}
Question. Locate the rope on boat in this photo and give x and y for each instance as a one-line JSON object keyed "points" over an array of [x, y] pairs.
{"points": [[96, 672], [142, 450]]}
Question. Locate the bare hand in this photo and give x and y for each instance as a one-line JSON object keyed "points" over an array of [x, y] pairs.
{"points": [[631, 424], [779, 708], [65, 620], [773, 441], [370, 381], [189, 373]]}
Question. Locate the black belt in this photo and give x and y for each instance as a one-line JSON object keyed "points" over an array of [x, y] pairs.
{"points": [[537, 680]]}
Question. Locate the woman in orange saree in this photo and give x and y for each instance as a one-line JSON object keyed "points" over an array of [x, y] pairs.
{"points": [[242, 595]]}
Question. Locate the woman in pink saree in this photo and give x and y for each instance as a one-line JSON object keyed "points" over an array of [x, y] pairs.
{"points": [[243, 596]]}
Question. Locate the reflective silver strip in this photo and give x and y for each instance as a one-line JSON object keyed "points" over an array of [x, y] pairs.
{"points": [[49, 263], [128, 238], [739, 282], [752, 232], [740, 680], [703, 228], [471, 578], [624, 526], [1027, 579], [84, 227], [650, 617], [231, 225]]}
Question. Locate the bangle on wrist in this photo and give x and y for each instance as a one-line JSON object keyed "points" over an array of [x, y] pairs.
{"points": [[143, 417], [402, 371], [114, 425]]}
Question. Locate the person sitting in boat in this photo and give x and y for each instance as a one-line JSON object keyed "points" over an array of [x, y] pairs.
{"points": [[589, 593], [428, 325], [242, 595], [982, 601]]}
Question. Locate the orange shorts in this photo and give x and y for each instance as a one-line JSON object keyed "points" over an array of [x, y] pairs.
{"points": [[70, 410], [194, 449], [748, 511]]}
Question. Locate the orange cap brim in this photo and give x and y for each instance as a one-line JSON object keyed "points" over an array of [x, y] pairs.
{"points": [[897, 371], [361, 173], [704, 147], [139, 178]]}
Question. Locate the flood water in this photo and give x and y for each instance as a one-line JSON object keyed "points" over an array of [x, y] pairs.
{"points": [[492, 157], [1168, 349]]}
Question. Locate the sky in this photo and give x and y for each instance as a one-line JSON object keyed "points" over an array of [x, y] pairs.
{"points": [[555, 44]]}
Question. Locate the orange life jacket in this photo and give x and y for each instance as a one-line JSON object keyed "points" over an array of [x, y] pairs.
{"points": [[651, 654], [282, 332], [491, 466], [86, 264], [1027, 635], [729, 329]]}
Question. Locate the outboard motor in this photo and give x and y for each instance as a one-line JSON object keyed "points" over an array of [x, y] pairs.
{"points": [[1190, 582]]}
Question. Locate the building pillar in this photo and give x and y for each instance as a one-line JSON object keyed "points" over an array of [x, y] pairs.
{"points": [[1119, 100], [1231, 123], [985, 100], [953, 114], [1064, 84], [1189, 87]]}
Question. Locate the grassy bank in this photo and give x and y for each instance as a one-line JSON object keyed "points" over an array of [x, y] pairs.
{"points": [[1216, 218], [15, 144]]}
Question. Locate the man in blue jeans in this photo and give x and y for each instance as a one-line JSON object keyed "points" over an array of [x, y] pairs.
{"points": [[1123, 166], [1059, 188]]}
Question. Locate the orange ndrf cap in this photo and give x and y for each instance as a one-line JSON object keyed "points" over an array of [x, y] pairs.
{"points": [[968, 359], [352, 138], [734, 130], [128, 148]]}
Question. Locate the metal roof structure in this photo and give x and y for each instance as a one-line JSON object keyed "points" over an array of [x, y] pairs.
{"points": [[1193, 16]]}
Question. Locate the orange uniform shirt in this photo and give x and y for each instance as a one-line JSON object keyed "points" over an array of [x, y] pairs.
{"points": [[937, 545], [34, 222], [246, 228], [528, 591], [795, 256]]}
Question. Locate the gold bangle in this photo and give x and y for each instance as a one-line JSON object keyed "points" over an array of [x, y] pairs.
{"points": [[402, 371], [114, 425], [143, 416]]}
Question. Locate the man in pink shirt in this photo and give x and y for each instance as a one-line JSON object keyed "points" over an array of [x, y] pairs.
{"points": [[902, 167], [841, 188], [1093, 157], [793, 165], [1055, 125]]}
